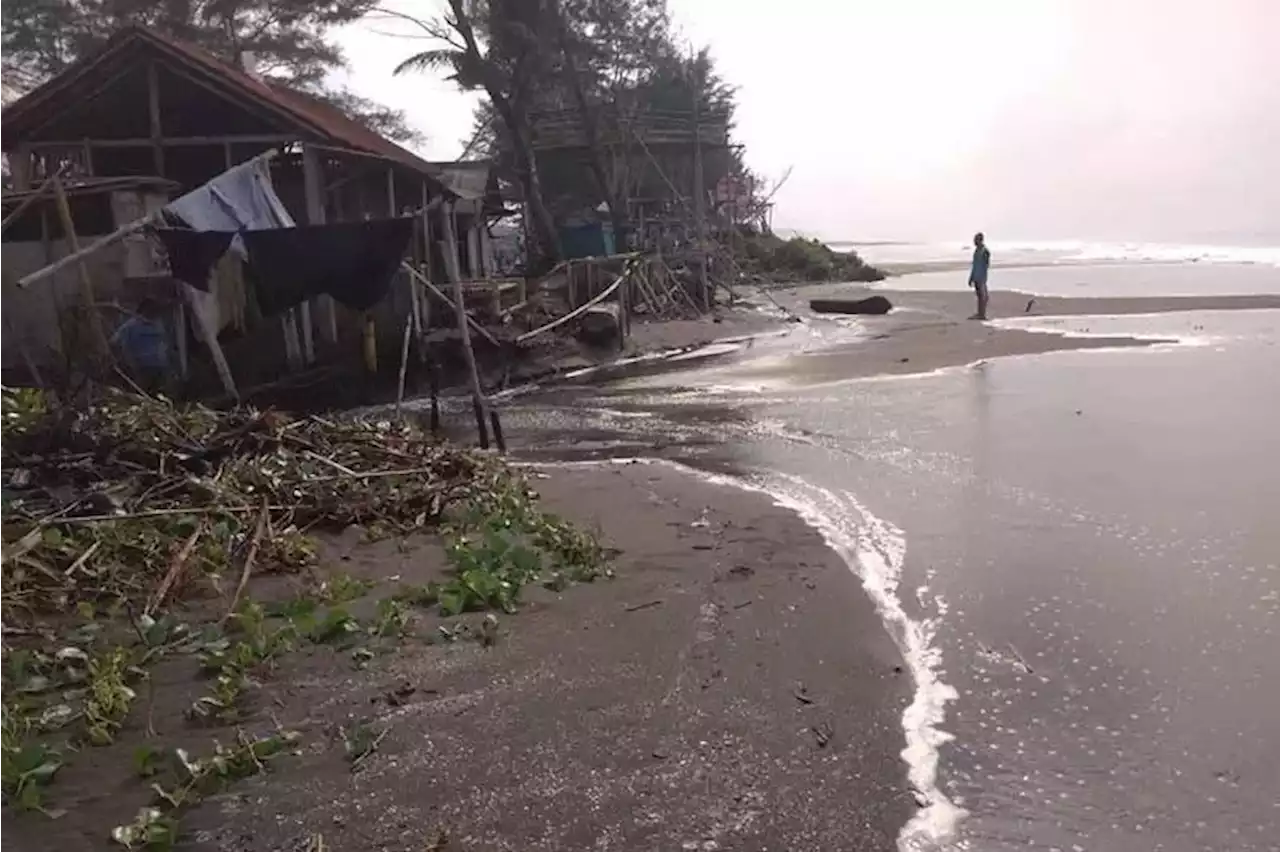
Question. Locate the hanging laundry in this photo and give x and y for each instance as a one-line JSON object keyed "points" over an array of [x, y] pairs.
{"points": [[193, 254], [354, 262], [241, 199]]}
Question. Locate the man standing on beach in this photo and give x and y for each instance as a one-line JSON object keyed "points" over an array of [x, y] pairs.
{"points": [[978, 274]]}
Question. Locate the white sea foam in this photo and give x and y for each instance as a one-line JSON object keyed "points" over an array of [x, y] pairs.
{"points": [[1069, 252], [1111, 325], [874, 550]]}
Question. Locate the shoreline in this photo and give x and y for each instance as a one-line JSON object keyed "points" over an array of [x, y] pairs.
{"points": [[733, 685], [927, 331]]}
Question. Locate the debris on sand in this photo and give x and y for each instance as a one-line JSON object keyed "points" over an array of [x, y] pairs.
{"points": [[97, 497], [137, 531]]}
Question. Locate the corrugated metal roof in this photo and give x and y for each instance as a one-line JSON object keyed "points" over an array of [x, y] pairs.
{"points": [[467, 178], [318, 121]]}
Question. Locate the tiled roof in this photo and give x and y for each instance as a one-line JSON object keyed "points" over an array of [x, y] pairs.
{"points": [[315, 120]]}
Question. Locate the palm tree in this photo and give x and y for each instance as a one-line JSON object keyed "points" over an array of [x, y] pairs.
{"points": [[506, 70]]}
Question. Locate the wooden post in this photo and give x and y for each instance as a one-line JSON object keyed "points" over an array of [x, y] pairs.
{"points": [[20, 168], [180, 339], [477, 396], [427, 241], [292, 349], [153, 105], [370, 343], [313, 188], [428, 248], [475, 266], [404, 360], [98, 340], [308, 345], [624, 307], [699, 194], [486, 249]]}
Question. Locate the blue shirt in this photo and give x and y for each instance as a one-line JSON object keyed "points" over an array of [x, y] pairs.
{"points": [[145, 342], [981, 260]]}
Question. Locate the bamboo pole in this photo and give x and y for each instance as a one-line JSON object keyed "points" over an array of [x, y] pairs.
{"points": [[404, 363], [457, 308], [37, 194], [115, 236], [99, 338], [451, 262]]}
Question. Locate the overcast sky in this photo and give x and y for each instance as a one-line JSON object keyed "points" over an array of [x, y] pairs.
{"points": [[916, 119]]}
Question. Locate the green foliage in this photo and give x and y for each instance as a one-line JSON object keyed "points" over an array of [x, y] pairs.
{"points": [[360, 739], [256, 642], [109, 697], [151, 830], [502, 542], [800, 259], [182, 781], [22, 408], [28, 765]]}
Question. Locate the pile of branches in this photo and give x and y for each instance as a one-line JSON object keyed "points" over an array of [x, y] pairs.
{"points": [[129, 499]]}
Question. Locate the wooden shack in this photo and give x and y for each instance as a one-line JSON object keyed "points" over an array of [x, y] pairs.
{"points": [[34, 318], [150, 115]]}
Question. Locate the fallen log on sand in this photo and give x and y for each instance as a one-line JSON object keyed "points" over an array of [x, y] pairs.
{"points": [[601, 324], [871, 305]]}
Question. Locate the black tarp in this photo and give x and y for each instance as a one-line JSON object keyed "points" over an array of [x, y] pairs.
{"points": [[354, 262]]}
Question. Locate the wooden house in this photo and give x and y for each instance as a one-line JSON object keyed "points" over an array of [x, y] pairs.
{"points": [[147, 118]]}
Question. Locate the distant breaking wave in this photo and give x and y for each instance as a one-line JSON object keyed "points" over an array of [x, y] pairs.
{"points": [[1063, 252]]}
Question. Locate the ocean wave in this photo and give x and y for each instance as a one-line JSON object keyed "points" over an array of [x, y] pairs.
{"points": [[1053, 252]]}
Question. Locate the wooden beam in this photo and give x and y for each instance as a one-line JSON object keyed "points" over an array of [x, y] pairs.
{"points": [[153, 108], [391, 191], [169, 141], [20, 167]]}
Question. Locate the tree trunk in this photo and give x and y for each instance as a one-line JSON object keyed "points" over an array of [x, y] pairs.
{"points": [[618, 215], [544, 229]]}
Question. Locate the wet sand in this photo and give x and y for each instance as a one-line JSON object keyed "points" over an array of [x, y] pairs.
{"points": [[732, 688], [931, 330]]}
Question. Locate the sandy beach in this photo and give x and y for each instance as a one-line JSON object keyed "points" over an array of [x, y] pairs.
{"points": [[1075, 521], [926, 331], [733, 687], [730, 683]]}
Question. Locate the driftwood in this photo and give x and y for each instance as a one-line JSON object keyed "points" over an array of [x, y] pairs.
{"points": [[871, 306], [602, 323]]}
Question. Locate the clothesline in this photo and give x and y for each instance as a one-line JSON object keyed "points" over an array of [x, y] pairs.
{"points": [[122, 232], [608, 291]]}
